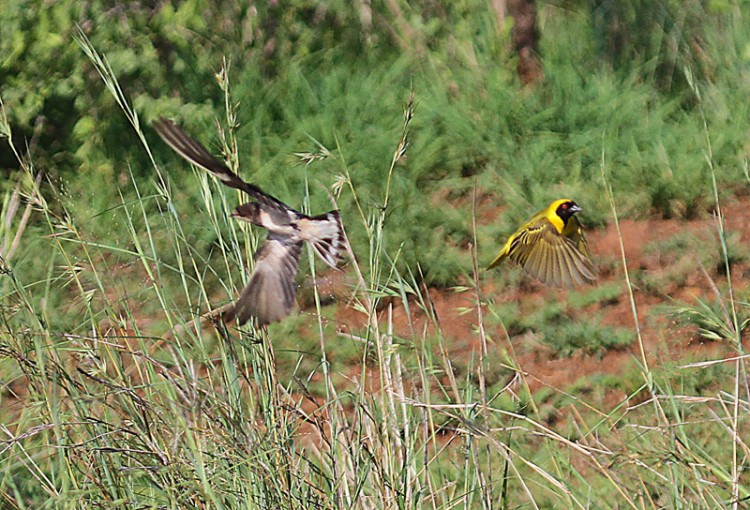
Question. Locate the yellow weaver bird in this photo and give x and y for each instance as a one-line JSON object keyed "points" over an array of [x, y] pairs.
{"points": [[551, 247]]}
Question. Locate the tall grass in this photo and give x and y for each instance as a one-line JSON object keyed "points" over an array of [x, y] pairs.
{"points": [[117, 394]]}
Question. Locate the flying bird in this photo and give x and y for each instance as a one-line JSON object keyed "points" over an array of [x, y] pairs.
{"points": [[551, 247], [269, 295]]}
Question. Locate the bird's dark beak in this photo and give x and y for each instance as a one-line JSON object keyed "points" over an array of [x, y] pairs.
{"points": [[575, 208]]}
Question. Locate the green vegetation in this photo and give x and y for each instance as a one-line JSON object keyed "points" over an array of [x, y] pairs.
{"points": [[557, 325], [403, 393]]}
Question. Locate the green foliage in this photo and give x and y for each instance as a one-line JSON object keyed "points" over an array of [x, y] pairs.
{"points": [[656, 39], [109, 395], [683, 257], [603, 293], [559, 325], [713, 320]]}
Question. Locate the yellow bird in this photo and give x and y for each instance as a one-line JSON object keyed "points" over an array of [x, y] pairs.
{"points": [[551, 247]]}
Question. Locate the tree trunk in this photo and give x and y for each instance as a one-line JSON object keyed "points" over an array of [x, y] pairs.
{"points": [[526, 40]]}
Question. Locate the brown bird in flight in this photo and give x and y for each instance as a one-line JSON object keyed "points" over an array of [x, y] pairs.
{"points": [[269, 295]]}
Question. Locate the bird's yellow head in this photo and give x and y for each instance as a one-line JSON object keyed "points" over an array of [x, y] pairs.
{"points": [[560, 211]]}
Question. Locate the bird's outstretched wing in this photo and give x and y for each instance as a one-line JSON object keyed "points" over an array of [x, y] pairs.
{"points": [[269, 295], [550, 257], [198, 155]]}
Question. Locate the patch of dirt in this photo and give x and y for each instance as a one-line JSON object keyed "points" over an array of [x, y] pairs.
{"points": [[664, 263]]}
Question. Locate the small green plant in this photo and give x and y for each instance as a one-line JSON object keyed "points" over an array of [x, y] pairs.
{"points": [[591, 336], [712, 320], [561, 326]]}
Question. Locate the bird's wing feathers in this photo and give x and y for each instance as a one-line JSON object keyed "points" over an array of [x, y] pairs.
{"points": [[550, 257], [269, 295], [198, 155], [575, 233]]}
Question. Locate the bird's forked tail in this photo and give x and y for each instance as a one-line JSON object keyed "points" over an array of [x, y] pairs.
{"points": [[326, 235]]}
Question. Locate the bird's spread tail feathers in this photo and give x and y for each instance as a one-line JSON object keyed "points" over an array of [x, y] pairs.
{"points": [[326, 235]]}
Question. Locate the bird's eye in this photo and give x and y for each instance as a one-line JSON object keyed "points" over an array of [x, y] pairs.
{"points": [[565, 205]]}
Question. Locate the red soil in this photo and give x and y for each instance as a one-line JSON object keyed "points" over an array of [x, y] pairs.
{"points": [[678, 276]]}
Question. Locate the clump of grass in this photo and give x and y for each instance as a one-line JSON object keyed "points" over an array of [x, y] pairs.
{"points": [[712, 320], [603, 294], [559, 326]]}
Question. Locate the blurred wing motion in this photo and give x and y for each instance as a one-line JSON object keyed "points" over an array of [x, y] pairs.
{"points": [[269, 295], [552, 258]]}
